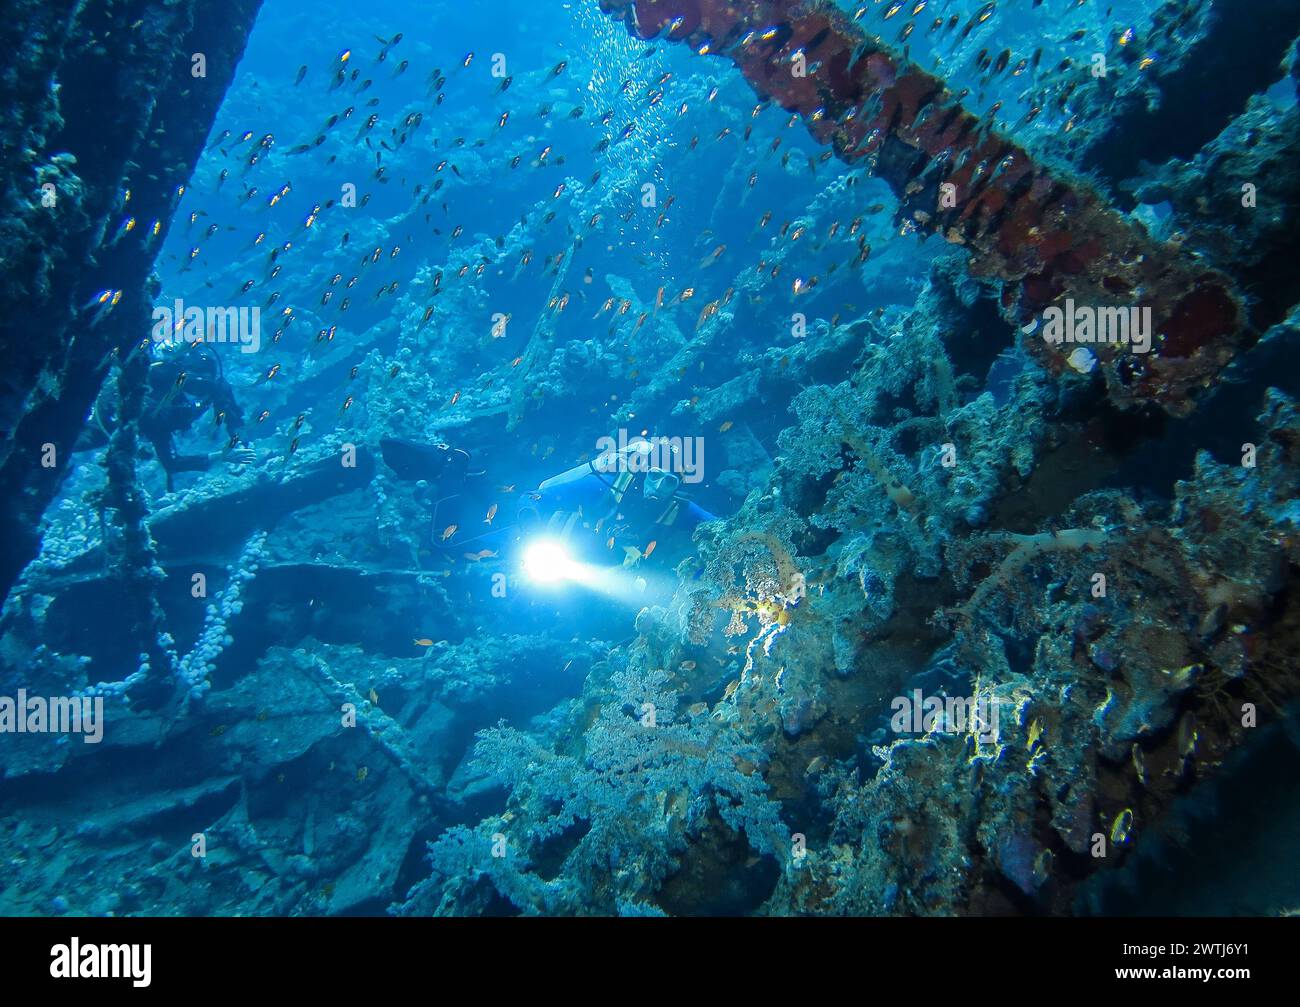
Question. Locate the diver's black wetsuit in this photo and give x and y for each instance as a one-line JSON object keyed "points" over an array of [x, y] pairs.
{"points": [[169, 411]]}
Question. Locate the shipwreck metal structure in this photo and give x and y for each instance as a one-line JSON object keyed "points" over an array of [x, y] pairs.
{"points": [[1046, 236], [106, 110]]}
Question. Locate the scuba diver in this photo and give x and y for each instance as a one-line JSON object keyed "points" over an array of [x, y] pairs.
{"points": [[619, 495], [179, 392]]}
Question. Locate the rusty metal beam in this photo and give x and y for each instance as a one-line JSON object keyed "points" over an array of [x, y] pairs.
{"points": [[1046, 236]]}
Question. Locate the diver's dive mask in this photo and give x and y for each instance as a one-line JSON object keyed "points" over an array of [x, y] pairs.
{"points": [[660, 485]]}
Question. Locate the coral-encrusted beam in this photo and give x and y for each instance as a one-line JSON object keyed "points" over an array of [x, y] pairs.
{"points": [[1048, 237]]}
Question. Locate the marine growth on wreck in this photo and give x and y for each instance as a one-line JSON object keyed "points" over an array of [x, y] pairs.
{"points": [[650, 457]]}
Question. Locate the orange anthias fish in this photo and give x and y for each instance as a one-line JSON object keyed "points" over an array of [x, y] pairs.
{"points": [[649, 549], [722, 430], [454, 399], [449, 531], [423, 641], [706, 313], [492, 512]]}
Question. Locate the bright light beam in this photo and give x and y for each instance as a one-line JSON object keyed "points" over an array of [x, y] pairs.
{"points": [[548, 562]]}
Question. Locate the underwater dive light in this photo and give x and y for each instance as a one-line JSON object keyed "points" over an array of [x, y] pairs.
{"points": [[547, 561]]}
